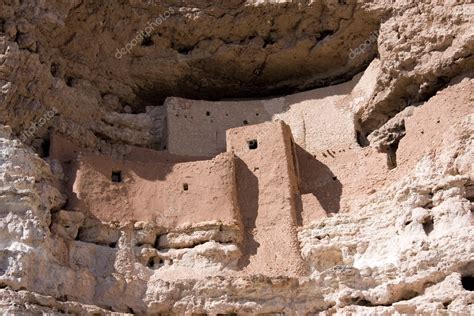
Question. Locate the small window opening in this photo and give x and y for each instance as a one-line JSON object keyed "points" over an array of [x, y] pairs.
{"points": [[468, 282], [208, 113], [253, 144], [116, 176], [185, 187], [245, 122]]}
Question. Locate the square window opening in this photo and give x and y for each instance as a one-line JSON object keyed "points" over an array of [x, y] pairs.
{"points": [[117, 176], [253, 144]]}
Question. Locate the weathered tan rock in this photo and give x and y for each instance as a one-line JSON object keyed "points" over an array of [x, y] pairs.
{"points": [[341, 231], [66, 224]]}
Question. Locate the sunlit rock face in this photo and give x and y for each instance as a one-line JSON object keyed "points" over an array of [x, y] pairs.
{"points": [[243, 157]]}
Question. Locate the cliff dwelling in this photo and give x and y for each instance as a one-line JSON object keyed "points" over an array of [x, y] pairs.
{"points": [[241, 173], [253, 157]]}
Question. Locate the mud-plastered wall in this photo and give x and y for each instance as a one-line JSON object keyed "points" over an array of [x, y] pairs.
{"points": [[171, 195], [267, 192]]}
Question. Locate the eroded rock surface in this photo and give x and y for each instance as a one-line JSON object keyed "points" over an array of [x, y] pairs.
{"points": [[379, 101]]}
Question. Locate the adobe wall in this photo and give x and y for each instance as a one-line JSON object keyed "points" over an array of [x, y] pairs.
{"points": [[267, 190], [63, 150], [320, 119], [320, 122], [168, 194], [198, 128], [331, 161]]}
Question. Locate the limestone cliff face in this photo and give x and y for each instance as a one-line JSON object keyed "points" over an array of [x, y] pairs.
{"points": [[387, 220]]}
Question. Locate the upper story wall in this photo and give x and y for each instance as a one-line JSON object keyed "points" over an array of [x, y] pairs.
{"points": [[320, 120], [65, 151], [198, 128], [171, 195]]}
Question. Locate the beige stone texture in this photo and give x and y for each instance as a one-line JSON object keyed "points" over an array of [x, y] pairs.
{"points": [[378, 95], [403, 246]]}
